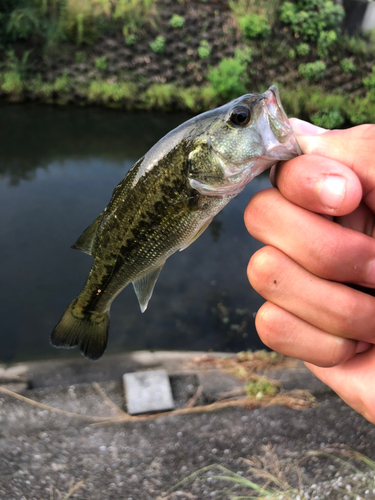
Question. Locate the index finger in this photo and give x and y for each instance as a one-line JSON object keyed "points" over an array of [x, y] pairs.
{"points": [[353, 147]]}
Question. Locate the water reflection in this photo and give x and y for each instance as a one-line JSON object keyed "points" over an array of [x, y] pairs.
{"points": [[58, 168]]}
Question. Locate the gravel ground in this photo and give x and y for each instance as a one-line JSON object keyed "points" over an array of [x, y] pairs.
{"points": [[43, 454]]}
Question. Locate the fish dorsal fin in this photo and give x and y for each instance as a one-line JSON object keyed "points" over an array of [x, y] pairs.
{"points": [[144, 287], [197, 234], [86, 241]]}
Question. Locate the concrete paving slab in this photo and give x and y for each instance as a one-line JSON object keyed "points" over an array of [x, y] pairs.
{"points": [[148, 391]]}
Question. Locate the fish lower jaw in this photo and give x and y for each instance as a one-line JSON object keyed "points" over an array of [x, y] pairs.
{"points": [[232, 186]]}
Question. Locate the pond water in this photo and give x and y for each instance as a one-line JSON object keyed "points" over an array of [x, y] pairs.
{"points": [[58, 168]]}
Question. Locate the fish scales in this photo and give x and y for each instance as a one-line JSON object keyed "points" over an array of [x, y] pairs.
{"points": [[166, 201]]}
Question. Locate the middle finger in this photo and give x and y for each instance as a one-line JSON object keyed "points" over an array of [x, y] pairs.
{"points": [[331, 307], [323, 247]]}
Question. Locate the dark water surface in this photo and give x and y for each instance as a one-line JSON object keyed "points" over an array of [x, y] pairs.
{"points": [[58, 168]]}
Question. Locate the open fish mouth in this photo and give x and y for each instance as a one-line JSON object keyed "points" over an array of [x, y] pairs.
{"points": [[275, 128]]}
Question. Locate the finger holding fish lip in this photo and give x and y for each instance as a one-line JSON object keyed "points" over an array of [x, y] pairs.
{"points": [[322, 185]]}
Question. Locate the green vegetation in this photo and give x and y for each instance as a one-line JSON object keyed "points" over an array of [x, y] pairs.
{"points": [[80, 57], [204, 50], [303, 49], [112, 92], [312, 71], [229, 79], [326, 41], [369, 83], [130, 39], [134, 13], [347, 65], [11, 83], [177, 21], [158, 45], [254, 26], [160, 96], [310, 18], [261, 386], [101, 63], [42, 41], [22, 23], [242, 8], [328, 118]]}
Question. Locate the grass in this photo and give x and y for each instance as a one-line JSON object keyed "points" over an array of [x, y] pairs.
{"points": [[104, 91], [268, 477], [55, 494]]}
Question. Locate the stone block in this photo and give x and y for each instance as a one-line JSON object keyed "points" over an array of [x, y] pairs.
{"points": [[148, 391]]}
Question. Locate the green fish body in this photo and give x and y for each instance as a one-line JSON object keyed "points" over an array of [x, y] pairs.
{"points": [[166, 201]]}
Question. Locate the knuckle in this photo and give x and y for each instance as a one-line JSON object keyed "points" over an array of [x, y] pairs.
{"points": [[267, 325], [261, 269], [339, 351]]}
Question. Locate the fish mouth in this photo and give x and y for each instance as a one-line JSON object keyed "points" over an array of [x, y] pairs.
{"points": [[275, 129]]}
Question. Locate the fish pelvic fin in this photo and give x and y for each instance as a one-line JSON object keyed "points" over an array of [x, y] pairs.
{"points": [[88, 330], [144, 287]]}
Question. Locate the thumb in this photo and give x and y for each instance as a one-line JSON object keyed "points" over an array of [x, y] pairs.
{"points": [[354, 147]]}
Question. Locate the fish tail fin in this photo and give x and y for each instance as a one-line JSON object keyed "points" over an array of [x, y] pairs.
{"points": [[88, 330]]}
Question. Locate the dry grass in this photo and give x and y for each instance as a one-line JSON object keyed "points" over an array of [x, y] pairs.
{"points": [[273, 479]]}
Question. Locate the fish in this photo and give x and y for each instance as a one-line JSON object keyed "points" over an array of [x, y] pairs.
{"points": [[166, 201]]}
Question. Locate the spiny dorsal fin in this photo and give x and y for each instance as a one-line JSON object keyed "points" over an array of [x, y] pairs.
{"points": [[144, 287], [86, 241]]}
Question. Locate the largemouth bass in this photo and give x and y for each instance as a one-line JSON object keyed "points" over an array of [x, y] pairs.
{"points": [[166, 201]]}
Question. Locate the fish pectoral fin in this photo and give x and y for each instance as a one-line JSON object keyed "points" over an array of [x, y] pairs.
{"points": [[197, 234], [85, 242], [144, 287]]}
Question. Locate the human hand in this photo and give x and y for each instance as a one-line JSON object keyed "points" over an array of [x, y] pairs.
{"points": [[319, 229]]}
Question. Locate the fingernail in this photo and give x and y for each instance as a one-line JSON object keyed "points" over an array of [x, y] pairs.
{"points": [[362, 347], [305, 128], [332, 191]]}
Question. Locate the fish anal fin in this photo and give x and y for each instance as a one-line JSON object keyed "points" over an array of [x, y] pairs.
{"points": [[197, 234], [86, 241], [144, 287]]}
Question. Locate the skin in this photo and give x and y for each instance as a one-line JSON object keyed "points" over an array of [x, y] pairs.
{"points": [[318, 227]]}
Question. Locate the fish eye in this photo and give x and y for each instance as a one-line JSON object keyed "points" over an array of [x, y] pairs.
{"points": [[240, 115]]}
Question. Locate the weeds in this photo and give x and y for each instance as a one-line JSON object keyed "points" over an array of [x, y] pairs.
{"points": [[310, 19], [328, 118], [369, 83], [158, 45], [241, 8], [204, 50], [303, 49], [69, 493], [160, 95], [22, 23], [101, 63], [229, 79], [177, 21], [254, 26], [268, 477], [134, 14], [130, 39], [312, 71], [12, 83], [107, 91], [347, 65]]}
